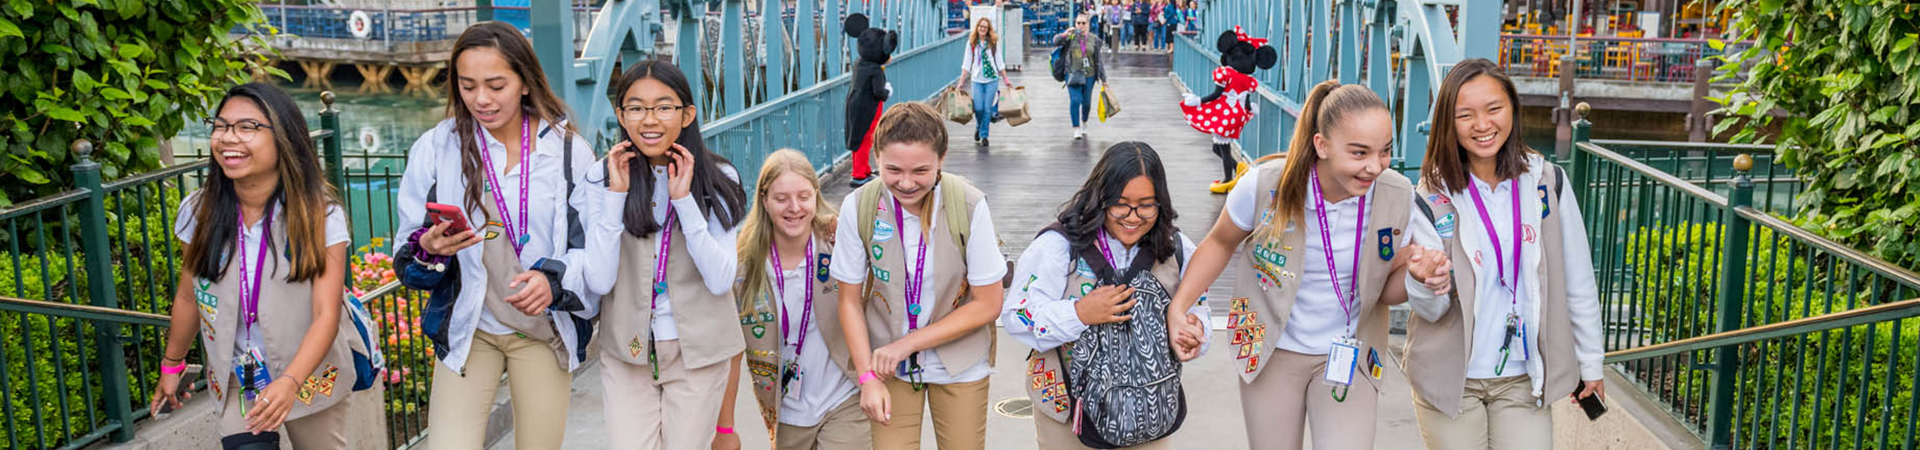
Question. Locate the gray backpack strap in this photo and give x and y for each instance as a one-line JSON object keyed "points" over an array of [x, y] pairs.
{"points": [[1425, 209]]}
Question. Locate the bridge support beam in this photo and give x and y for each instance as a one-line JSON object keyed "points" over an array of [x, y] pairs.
{"points": [[376, 78], [319, 74], [419, 79]]}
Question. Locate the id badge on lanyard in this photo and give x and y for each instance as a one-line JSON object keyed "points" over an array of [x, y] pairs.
{"points": [[1342, 358], [250, 367], [250, 364]]}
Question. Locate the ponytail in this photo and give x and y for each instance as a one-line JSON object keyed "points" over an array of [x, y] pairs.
{"points": [[1327, 105]]}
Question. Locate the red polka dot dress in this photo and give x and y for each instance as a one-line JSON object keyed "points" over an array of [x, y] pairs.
{"points": [[1224, 116]]}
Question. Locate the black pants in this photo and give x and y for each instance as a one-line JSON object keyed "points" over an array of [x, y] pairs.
{"points": [[1140, 35]]}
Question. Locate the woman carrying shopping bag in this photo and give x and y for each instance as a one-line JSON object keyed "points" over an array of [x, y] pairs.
{"points": [[981, 70]]}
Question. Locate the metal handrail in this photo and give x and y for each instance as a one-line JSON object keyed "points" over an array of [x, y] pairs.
{"points": [[87, 312], [1824, 322], [1657, 175], [1685, 145], [1845, 253]]}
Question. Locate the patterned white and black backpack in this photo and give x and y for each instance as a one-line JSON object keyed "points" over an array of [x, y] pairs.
{"points": [[1123, 377]]}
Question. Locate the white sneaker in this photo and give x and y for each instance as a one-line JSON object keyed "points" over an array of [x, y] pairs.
{"points": [[1079, 133]]}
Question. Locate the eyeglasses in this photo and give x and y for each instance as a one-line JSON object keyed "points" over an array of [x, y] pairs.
{"points": [[662, 112], [1145, 211], [245, 129]]}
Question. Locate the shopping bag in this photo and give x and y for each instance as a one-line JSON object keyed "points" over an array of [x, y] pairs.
{"points": [[1106, 106], [1013, 107], [958, 105]]}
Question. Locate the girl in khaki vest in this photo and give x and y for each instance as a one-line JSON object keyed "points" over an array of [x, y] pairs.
{"points": [[1523, 328], [661, 246], [1124, 203], [790, 317], [1318, 230], [266, 245], [506, 293], [917, 308]]}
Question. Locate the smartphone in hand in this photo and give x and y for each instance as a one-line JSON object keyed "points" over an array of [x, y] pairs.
{"points": [[187, 378], [1591, 404], [438, 212]]}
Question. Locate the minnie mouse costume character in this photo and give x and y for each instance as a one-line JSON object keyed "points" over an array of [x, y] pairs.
{"points": [[867, 98], [1230, 107]]}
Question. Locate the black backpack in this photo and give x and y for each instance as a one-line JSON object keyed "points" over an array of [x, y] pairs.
{"points": [[1123, 377], [1058, 63]]}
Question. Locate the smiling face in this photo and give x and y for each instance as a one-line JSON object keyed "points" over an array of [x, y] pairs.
{"points": [[909, 169], [246, 149], [789, 202], [1483, 117], [1355, 152], [489, 88], [1131, 216], [982, 29], [653, 135]]}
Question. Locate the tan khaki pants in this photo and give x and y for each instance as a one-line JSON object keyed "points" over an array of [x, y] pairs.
{"points": [[540, 388], [959, 416], [677, 411], [324, 429], [1496, 414], [846, 428], [1054, 435], [1289, 396]]}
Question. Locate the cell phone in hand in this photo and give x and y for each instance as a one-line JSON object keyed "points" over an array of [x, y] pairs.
{"points": [[1591, 404], [438, 212], [192, 375]]}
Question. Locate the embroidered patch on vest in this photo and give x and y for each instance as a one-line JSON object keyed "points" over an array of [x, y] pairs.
{"points": [[882, 230], [882, 274], [762, 354], [1025, 318], [760, 368], [634, 347], [1249, 334], [1444, 225], [878, 253], [1438, 199], [1080, 267], [1045, 380], [821, 272], [321, 384], [1386, 244], [759, 331], [1544, 209]]}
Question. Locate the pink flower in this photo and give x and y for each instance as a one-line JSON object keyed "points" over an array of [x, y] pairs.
{"points": [[404, 328]]}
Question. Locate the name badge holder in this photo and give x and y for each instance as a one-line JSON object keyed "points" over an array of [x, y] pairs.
{"points": [[1342, 358]]}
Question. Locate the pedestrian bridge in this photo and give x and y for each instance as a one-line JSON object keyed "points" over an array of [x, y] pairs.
{"points": [[1726, 325]]}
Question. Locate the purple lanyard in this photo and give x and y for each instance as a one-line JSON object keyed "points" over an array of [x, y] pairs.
{"points": [[1348, 296], [514, 232], [780, 281], [919, 272], [660, 263], [1101, 238], [1499, 259], [250, 288]]}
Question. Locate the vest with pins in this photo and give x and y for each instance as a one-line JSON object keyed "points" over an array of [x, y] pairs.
{"points": [[286, 312], [1047, 371], [502, 264], [885, 289], [760, 326], [1438, 350], [706, 322], [1270, 265]]}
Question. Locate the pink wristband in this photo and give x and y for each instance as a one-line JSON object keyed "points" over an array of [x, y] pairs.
{"points": [[723, 430], [869, 376], [170, 370]]}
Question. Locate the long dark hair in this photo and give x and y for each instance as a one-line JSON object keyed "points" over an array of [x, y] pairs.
{"points": [[540, 102], [711, 188], [1446, 165], [1084, 215], [303, 192]]}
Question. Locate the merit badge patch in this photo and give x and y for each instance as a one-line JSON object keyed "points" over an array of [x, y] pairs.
{"points": [[1249, 333], [878, 252], [1544, 209], [1386, 244], [1445, 225], [821, 273], [882, 230]]}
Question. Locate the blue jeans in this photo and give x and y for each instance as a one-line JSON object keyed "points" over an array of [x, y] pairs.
{"points": [[1080, 103], [1126, 33], [985, 105], [1161, 36]]}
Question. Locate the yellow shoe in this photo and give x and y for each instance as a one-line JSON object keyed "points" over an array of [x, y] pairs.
{"points": [[1223, 187]]}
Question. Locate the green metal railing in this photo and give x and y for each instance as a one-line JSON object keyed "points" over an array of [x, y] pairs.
{"points": [[1748, 329]]}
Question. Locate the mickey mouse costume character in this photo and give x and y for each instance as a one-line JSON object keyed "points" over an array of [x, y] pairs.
{"points": [[867, 99], [1230, 107]]}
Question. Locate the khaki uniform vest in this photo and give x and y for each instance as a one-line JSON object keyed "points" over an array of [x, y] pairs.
{"points": [[1269, 270], [704, 321], [286, 312], [1438, 350], [760, 326], [1047, 371], [885, 289], [502, 264]]}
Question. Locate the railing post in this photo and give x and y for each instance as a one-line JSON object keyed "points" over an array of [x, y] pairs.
{"points": [[483, 10], [1582, 132], [99, 261], [330, 145], [1733, 269]]}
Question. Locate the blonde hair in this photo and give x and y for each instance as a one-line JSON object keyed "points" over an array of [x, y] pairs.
{"points": [[993, 35], [756, 233], [1328, 105]]}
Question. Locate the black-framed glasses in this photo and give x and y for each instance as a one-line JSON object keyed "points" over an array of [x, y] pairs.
{"points": [[662, 112], [1146, 211], [245, 129]]}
